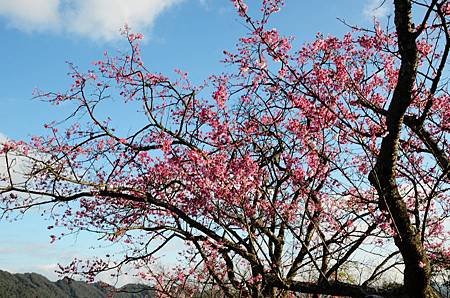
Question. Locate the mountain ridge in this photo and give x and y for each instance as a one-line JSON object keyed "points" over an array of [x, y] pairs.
{"points": [[32, 285]]}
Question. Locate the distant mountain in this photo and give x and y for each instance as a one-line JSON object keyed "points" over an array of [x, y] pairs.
{"points": [[32, 285]]}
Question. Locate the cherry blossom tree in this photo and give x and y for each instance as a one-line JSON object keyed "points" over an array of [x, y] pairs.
{"points": [[315, 170]]}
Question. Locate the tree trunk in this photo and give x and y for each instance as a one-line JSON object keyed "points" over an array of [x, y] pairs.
{"points": [[383, 176]]}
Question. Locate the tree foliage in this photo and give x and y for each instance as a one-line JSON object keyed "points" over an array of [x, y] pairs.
{"points": [[277, 176]]}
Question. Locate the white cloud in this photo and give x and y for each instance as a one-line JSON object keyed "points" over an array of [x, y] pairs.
{"points": [[376, 9], [96, 19], [3, 138], [103, 18], [30, 15], [16, 164]]}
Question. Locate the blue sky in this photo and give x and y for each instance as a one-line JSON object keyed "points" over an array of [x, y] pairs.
{"points": [[39, 36]]}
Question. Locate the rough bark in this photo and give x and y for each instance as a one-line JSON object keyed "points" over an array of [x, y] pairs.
{"points": [[383, 175]]}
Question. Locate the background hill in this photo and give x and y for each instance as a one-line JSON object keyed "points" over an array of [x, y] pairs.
{"points": [[34, 285]]}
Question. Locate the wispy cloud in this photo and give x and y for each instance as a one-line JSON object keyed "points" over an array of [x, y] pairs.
{"points": [[96, 19], [29, 15], [3, 138], [376, 9], [15, 167]]}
